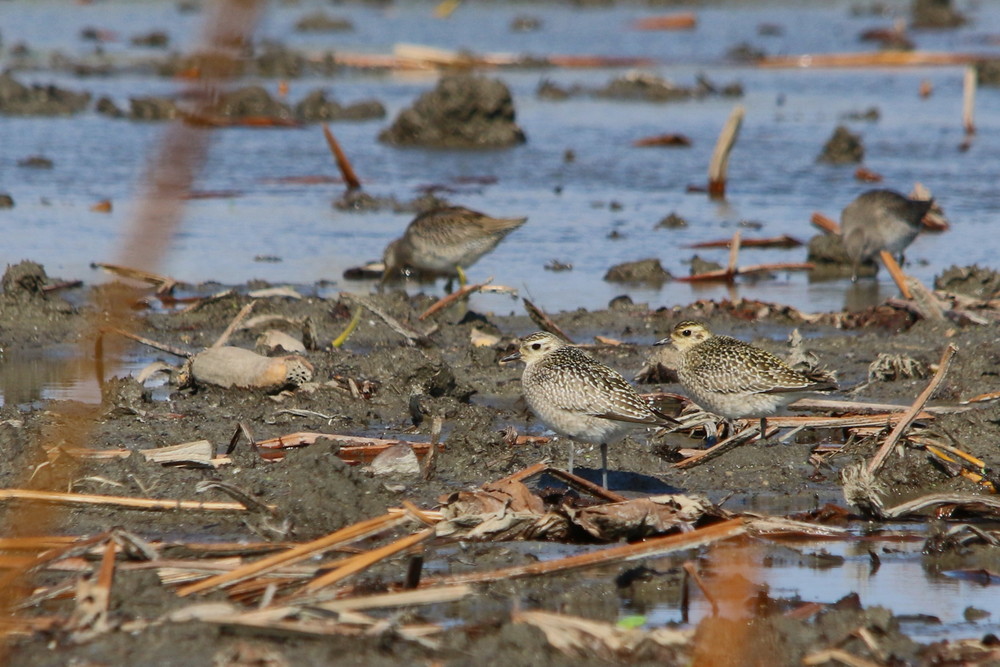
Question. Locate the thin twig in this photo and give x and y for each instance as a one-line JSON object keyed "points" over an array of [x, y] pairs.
{"points": [[449, 299], [240, 316], [117, 501], [915, 409], [346, 170], [163, 347], [539, 317]]}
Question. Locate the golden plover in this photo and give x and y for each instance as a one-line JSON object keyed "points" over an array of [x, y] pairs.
{"points": [[444, 241], [734, 379], [880, 220], [578, 396]]}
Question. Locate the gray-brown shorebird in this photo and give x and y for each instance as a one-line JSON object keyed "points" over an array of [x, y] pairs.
{"points": [[734, 379], [579, 397], [444, 242], [880, 220]]}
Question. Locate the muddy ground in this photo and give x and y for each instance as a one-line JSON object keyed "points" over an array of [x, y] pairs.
{"points": [[316, 493]]}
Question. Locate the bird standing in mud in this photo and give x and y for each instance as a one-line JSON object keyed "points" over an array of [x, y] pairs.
{"points": [[734, 379], [880, 220], [445, 241], [579, 397]]}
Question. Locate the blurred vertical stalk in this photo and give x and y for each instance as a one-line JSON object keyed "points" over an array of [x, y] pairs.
{"points": [[172, 168]]}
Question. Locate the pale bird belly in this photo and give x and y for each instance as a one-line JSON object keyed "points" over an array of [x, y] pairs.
{"points": [[582, 427], [736, 406]]}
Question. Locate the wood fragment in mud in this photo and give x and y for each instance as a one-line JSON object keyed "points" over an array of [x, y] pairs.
{"points": [[412, 336], [297, 553], [783, 241], [545, 322], [449, 299], [928, 304], [197, 451], [943, 365], [233, 325], [117, 501], [825, 224], [344, 164], [656, 546], [719, 164], [93, 597]]}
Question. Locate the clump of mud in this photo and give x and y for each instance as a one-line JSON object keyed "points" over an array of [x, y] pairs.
{"points": [[843, 147], [974, 281], [17, 99], [647, 271], [462, 111]]}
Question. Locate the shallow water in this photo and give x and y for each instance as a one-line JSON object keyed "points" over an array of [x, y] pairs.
{"points": [[774, 179]]}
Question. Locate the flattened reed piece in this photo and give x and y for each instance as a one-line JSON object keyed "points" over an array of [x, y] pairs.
{"points": [[117, 501], [365, 560], [297, 553], [197, 451], [915, 409], [656, 546]]}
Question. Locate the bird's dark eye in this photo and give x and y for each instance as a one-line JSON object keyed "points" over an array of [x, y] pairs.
{"points": [[686, 332], [536, 346]]}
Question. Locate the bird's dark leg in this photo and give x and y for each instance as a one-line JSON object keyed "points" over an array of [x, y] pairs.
{"points": [[604, 464], [763, 427], [572, 451]]}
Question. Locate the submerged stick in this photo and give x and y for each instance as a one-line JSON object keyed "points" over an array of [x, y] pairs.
{"points": [[896, 272], [346, 170], [449, 299], [656, 546], [911, 414], [719, 165], [969, 100]]}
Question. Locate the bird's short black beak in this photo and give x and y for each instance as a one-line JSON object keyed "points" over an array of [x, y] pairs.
{"points": [[511, 357]]}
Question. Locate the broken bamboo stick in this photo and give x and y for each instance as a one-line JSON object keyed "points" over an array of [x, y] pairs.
{"points": [[896, 272], [719, 164], [346, 170], [824, 223], [449, 299], [117, 501], [969, 100]]}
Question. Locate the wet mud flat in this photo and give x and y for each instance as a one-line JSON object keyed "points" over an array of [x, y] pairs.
{"points": [[379, 385]]}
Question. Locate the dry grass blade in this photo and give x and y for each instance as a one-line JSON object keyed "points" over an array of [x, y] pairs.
{"points": [[837, 655], [351, 533], [449, 299], [367, 559], [401, 599], [583, 638], [915, 409], [652, 547], [116, 501], [539, 317]]}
